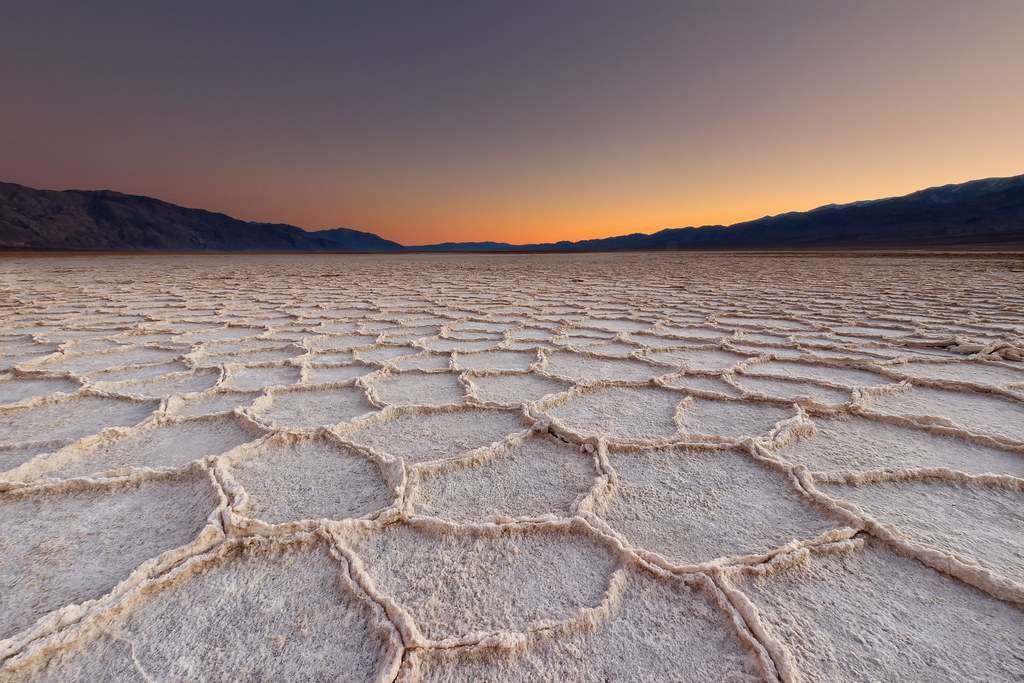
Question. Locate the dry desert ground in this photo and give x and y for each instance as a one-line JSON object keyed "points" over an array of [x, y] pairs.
{"points": [[512, 467]]}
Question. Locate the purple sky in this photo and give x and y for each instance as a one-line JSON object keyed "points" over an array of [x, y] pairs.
{"points": [[513, 121]]}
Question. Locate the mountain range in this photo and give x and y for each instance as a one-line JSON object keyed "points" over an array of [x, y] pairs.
{"points": [[979, 213], [110, 221]]}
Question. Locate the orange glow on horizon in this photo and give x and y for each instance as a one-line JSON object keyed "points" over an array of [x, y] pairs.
{"points": [[516, 122], [621, 213]]}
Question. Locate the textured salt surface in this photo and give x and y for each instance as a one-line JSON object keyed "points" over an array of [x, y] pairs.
{"points": [[292, 478], [417, 388], [537, 477], [309, 408], [483, 590], [702, 385], [15, 389], [842, 376], [70, 417], [64, 545], [589, 369], [496, 360], [732, 419], [978, 412], [864, 613], [327, 374], [169, 384], [620, 412], [586, 467], [975, 522], [658, 629], [291, 618], [211, 402], [513, 390], [850, 443], [415, 435], [798, 392], [245, 378], [158, 445], [691, 507]]}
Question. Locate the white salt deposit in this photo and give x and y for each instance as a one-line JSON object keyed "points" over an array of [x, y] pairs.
{"points": [[576, 467]]}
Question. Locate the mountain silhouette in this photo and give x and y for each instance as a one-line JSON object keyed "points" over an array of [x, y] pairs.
{"points": [[979, 213], [105, 220]]}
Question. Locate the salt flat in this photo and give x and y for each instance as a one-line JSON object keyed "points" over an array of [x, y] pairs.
{"points": [[512, 467]]}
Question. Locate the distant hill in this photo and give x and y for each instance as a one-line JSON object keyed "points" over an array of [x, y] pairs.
{"points": [[976, 213], [105, 220], [980, 213]]}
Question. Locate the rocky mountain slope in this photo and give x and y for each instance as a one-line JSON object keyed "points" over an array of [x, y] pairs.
{"points": [[105, 220]]}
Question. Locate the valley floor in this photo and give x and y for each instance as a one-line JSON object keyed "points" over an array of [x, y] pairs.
{"points": [[512, 467]]}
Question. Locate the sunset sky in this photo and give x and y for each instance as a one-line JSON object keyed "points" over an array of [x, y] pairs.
{"points": [[512, 121]]}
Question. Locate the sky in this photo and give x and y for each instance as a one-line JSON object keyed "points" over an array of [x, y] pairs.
{"points": [[513, 121]]}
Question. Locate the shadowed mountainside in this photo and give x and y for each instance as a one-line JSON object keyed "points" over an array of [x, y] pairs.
{"points": [[105, 220], [977, 213]]}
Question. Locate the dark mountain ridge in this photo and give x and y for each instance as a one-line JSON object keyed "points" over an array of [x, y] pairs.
{"points": [[106, 220], [986, 212], [978, 213]]}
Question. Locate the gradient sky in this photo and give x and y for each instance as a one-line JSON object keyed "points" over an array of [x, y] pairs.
{"points": [[514, 121]]}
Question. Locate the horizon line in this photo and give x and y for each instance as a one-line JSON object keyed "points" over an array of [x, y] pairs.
{"points": [[526, 245]]}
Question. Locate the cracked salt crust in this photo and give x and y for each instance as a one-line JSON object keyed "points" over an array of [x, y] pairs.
{"points": [[588, 369], [860, 612], [306, 477], [691, 506], [262, 610], [69, 543], [416, 388], [532, 477], [586, 467]]}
